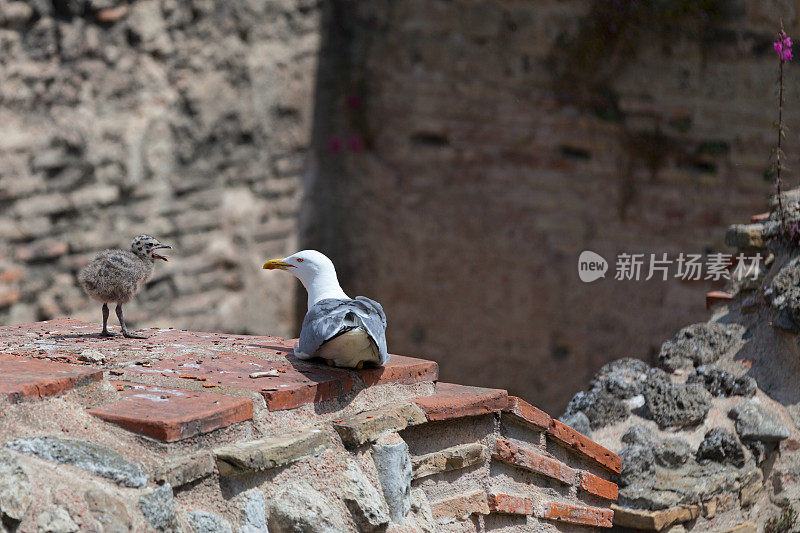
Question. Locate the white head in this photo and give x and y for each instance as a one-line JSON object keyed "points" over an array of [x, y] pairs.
{"points": [[314, 270]]}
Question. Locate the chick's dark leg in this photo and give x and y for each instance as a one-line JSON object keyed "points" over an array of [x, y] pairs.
{"points": [[105, 332], [125, 331]]}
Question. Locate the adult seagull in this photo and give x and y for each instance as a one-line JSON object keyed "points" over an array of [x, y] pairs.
{"points": [[344, 331]]}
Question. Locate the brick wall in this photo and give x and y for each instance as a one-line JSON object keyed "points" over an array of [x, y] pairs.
{"points": [[496, 152], [186, 120]]}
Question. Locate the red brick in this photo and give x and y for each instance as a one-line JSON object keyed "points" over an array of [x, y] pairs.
{"points": [[717, 297], [578, 514], [510, 504], [297, 383], [456, 401], [30, 379], [526, 413], [510, 453], [599, 486], [171, 414], [400, 369], [759, 217], [584, 446]]}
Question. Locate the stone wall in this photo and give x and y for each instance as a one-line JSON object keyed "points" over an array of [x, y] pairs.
{"points": [[502, 138], [186, 120]]}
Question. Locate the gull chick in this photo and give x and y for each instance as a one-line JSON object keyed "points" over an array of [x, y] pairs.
{"points": [[344, 331], [115, 276]]}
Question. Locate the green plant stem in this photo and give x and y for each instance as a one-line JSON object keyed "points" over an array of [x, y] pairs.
{"points": [[778, 151]]}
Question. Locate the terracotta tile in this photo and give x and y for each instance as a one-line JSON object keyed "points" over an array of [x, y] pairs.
{"points": [[400, 369], [31, 379], [599, 486], [584, 446], [297, 383], [578, 514], [510, 504], [222, 360], [508, 452], [527, 413], [456, 401], [717, 297], [170, 414]]}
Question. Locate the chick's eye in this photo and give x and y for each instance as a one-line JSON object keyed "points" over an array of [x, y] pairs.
{"points": [[299, 260]]}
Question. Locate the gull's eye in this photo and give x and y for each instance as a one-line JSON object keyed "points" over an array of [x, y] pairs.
{"points": [[299, 260]]}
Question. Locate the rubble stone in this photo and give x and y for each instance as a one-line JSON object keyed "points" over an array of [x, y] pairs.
{"points": [[637, 462], [363, 501], [600, 407], [253, 509], [243, 457], [721, 446], [453, 458], [369, 425], [184, 470], [301, 508], [15, 488], [205, 522], [56, 520], [109, 511], [754, 422], [672, 405], [158, 508], [745, 236], [699, 344], [672, 453], [721, 383], [579, 422], [88, 456], [390, 454], [637, 434]]}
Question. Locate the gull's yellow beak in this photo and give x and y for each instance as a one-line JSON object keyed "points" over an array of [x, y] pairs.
{"points": [[276, 264]]}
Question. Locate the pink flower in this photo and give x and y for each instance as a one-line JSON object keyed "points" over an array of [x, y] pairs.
{"points": [[783, 47], [356, 144], [335, 144]]}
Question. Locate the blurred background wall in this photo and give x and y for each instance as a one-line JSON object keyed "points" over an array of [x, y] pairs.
{"points": [[452, 156], [190, 121]]}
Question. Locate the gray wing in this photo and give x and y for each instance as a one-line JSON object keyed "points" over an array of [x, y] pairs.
{"points": [[331, 317]]}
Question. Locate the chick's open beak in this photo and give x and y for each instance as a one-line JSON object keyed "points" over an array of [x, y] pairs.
{"points": [[159, 256], [276, 264]]}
